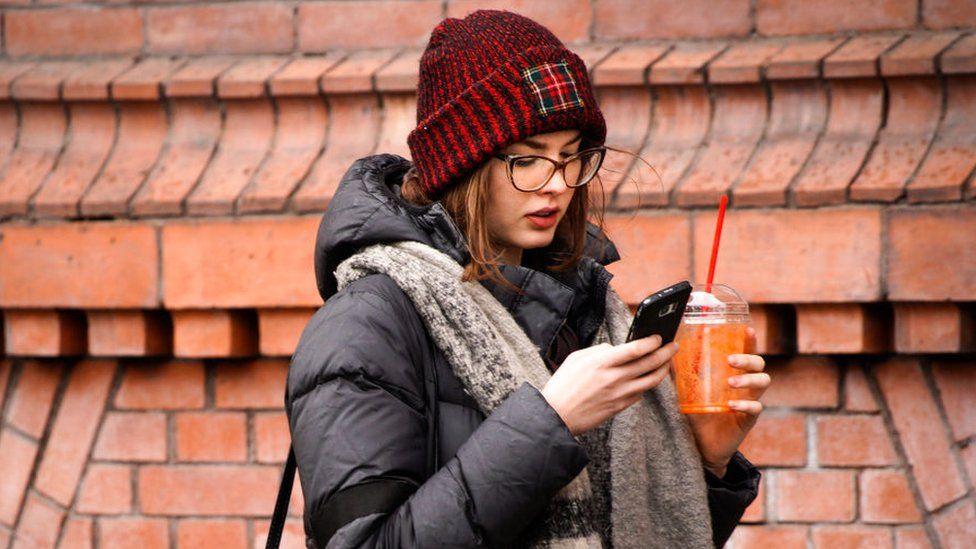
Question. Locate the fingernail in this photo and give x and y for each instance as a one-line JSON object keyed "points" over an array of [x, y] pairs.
{"points": [[735, 382], [733, 360], [735, 405]]}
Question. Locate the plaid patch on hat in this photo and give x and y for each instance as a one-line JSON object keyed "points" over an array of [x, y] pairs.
{"points": [[553, 87]]}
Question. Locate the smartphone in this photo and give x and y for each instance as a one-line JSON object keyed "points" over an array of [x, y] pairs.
{"points": [[660, 313]]}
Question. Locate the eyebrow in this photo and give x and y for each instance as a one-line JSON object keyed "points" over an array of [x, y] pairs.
{"points": [[536, 146]]}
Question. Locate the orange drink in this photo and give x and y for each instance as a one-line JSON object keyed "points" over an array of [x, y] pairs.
{"points": [[712, 328]]}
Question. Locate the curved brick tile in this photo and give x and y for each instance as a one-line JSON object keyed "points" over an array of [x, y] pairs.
{"points": [[402, 74], [33, 396], [737, 125], [17, 455], [856, 108], [355, 73], [194, 131], [685, 63], [42, 133], [144, 80], [628, 115], [952, 157], [246, 140], [43, 81], [399, 119], [8, 131], [142, 131], [593, 54], [248, 78], [10, 71], [90, 138], [799, 112], [39, 525], [916, 55], [354, 122], [300, 134], [628, 66], [679, 124], [801, 59], [959, 58], [197, 77], [914, 107], [859, 56], [91, 83], [741, 63], [301, 75]]}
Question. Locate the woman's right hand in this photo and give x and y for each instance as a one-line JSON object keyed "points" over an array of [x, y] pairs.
{"points": [[596, 383]]}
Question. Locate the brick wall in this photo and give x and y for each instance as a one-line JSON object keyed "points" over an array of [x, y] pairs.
{"points": [[163, 166]]}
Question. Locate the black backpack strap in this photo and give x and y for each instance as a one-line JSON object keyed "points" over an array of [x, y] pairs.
{"points": [[281, 505]]}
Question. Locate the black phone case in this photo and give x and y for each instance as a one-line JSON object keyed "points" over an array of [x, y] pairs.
{"points": [[660, 313]]}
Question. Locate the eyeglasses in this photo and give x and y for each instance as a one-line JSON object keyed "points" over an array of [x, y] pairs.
{"points": [[531, 172]]}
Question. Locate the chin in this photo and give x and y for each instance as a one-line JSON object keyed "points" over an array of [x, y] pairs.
{"points": [[537, 239]]}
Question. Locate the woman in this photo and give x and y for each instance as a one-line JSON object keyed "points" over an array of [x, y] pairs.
{"points": [[467, 383]]}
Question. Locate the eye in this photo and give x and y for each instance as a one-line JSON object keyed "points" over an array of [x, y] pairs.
{"points": [[525, 162]]}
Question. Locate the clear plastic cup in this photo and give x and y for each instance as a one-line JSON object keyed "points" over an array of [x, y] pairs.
{"points": [[713, 327]]}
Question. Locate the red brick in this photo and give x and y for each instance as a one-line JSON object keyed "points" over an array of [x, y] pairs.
{"points": [[249, 263], [852, 537], [917, 421], [844, 267], [78, 533], [242, 27], [756, 512], [210, 436], [208, 490], [775, 327], [914, 108], [912, 537], [804, 496], [144, 81], [8, 128], [933, 328], [43, 81], [956, 382], [44, 333], [193, 134], [148, 533], [738, 120], [245, 141], [280, 329], [743, 62], [859, 56], [17, 456], [886, 497], [916, 55], [252, 384], [42, 134], [960, 57], [956, 526], [628, 66], [10, 71], [42, 266], [142, 130], [39, 524], [300, 77], [203, 534], [856, 110], [685, 63], [271, 437], [802, 382], [293, 536], [71, 31], [401, 74], [842, 328], [801, 58], [355, 73], [632, 19], [918, 273], [654, 251], [214, 333], [129, 333], [628, 112], [74, 428], [249, 78], [571, 22], [354, 121], [131, 436], [854, 441], [330, 25], [198, 77], [6, 368], [857, 393], [782, 17], [942, 14], [399, 119], [33, 396], [168, 386], [92, 134], [777, 440], [781, 537], [106, 490]]}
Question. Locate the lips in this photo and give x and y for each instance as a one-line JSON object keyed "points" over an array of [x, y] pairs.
{"points": [[544, 212], [543, 218]]}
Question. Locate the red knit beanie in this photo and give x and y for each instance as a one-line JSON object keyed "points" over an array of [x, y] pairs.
{"points": [[489, 80]]}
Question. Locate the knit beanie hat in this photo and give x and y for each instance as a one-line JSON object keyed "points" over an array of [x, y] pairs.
{"points": [[489, 80]]}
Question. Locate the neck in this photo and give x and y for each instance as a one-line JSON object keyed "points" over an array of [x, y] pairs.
{"points": [[512, 256]]}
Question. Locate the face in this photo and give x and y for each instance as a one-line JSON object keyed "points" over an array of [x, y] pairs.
{"points": [[520, 220]]}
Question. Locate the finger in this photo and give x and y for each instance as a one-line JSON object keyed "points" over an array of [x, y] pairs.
{"points": [[649, 363], [751, 338], [749, 363], [648, 381], [632, 350], [751, 381], [751, 407]]}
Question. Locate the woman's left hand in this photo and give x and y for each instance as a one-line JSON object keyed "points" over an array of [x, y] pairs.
{"points": [[719, 435]]}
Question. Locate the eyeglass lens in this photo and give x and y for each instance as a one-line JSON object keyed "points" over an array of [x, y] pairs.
{"points": [[533, 172]]}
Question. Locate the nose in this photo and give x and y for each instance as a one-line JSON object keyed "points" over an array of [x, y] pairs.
{"points": [[556, 184]]}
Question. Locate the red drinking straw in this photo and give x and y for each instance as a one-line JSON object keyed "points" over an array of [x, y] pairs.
{"points": [[718, 236]]}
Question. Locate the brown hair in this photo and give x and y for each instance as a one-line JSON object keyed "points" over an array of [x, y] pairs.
{"points": [[467, 203]]}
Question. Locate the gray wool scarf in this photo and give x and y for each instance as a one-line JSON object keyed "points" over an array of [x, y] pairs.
{"points": [[658, 493]]}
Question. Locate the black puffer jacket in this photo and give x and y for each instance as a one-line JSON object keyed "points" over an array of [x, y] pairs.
{"points": [[366, 385]]}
